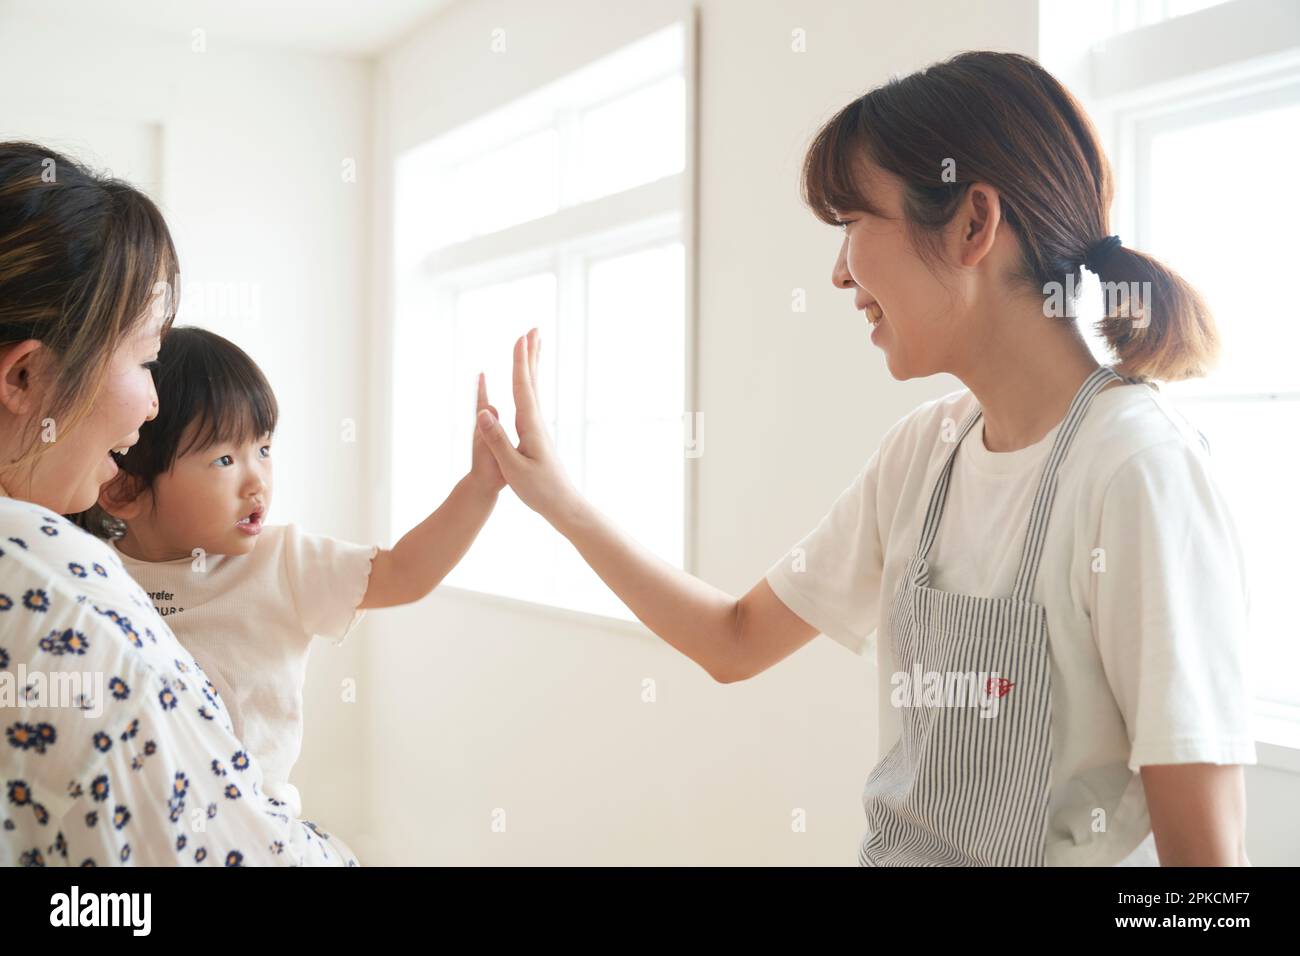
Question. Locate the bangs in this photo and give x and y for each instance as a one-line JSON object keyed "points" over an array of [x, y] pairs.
{"points": [[230, 418], [832, 168], [210, 392], [237, 408]]}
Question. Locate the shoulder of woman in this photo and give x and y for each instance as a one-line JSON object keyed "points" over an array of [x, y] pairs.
{"points": [[66, 601], [1129, 424], [931, 425]]}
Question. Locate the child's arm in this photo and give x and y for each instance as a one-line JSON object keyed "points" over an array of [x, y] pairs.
{"points": [[413, 567]]}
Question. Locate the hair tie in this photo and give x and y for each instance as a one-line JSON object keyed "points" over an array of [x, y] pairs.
{"points": [[1097, 254]]}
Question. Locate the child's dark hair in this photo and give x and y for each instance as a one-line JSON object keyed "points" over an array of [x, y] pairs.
{"points": [[205, 381]]}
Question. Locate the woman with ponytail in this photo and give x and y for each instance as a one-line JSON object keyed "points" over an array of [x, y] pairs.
{"points": [[1042, 563]]}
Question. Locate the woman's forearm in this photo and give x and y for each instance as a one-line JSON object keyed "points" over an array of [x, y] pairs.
{"points": [[691, 615]]}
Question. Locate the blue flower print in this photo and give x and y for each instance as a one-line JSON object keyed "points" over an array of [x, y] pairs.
{"points": [[103, 742], [120, 816], [123, 623], [99, 788], [78, 570], [232, 792], [117, 687], [167, 699], [31, 737], [36, 600], [239, 760], [234, 858], [68, 641], [19, 795]]}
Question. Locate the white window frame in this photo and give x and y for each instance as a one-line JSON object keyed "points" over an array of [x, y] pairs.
{"points": [[1157, 77], [566, 242]]}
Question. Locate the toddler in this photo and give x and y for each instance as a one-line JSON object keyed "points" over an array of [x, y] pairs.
{"points": [[187, 514]]}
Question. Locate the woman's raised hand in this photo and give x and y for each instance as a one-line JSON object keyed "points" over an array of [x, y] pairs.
{"points": [[533, 468]]}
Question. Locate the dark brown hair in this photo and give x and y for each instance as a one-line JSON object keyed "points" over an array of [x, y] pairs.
{"points": [[1006, 121], [80, 259]]}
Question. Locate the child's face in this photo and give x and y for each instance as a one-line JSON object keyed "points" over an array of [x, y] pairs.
{"points": [[206, 499]]}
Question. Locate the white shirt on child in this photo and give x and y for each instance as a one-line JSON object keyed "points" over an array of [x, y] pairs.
{"points": [[1148, 657], [249, 620]]}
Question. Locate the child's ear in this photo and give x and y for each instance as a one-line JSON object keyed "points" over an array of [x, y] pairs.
{"points": [[122, 497]]}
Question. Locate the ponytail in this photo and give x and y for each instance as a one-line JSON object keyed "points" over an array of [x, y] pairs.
{"points": [[1156, 323]]}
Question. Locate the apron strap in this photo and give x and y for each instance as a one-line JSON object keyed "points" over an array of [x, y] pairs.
{"points": [[939, 496], [1042, 507], [1042, 510]]}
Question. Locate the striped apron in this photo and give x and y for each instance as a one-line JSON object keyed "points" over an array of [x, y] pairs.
{"points": [[969, 785]]}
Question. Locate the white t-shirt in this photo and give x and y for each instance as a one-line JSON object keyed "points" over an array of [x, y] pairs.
{"points": [[249, 619], [1142, 577]]}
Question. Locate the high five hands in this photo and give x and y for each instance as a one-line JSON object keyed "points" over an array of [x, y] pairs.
{"points": [[533, 468]]}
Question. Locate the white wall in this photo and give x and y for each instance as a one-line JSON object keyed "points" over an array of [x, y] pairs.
{"points": [[486, 704], [469, 704], [247, 145]]}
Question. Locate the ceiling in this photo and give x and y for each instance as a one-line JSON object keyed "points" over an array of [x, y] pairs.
{"points": [[345, 27]]}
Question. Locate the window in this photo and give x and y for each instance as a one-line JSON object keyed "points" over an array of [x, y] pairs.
{"points": [[566, 210], [1196, 147]]}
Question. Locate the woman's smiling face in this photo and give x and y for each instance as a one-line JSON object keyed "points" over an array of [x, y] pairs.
{"points": [[67, 477], [892, 283]]}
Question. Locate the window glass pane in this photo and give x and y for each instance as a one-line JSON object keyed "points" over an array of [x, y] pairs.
{"points": [[514, 552], [636, 335], [633, 140], [510, 185], [1241, 436], [1230, 236], [635, 471]]}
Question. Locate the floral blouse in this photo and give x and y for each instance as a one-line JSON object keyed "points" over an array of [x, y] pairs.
{"points": [[117, 749]]}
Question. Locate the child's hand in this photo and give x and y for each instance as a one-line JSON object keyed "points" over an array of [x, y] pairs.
{"points": [[533, 469], [483, 467]]}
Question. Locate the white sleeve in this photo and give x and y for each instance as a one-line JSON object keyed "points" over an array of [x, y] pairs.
{"points": [[832, 577], [328, 578], [1170, 611]]}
